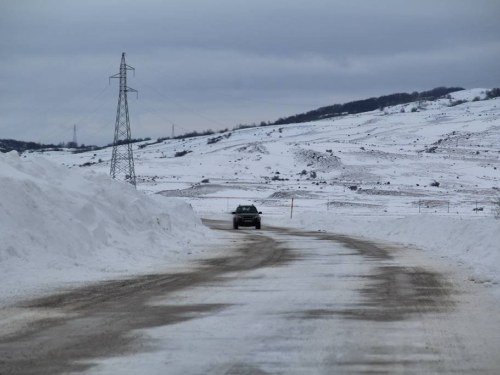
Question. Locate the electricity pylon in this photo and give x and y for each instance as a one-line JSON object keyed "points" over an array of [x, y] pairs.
{"points": [[75, 144], [122, 159]]}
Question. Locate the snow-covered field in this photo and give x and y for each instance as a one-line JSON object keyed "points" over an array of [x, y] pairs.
{"points": [[60, 226], [381, 162], [422, 173]]}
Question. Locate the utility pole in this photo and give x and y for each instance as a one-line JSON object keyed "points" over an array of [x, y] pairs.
{"points": [[75, 143], [122, 159], [173, 131]]}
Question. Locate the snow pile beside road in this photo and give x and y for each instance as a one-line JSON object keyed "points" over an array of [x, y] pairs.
{"points": [[59, 225], [473, 243]]}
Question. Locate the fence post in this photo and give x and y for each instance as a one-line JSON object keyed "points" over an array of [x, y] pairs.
{"points": [[291, 210], [476, 207], [448, 206], [419, 206]]}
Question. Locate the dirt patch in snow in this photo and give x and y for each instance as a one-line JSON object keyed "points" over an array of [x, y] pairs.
{"points": [[317, 159], [398, 193], [198, 190], [342, 204], [395, 294], [254, 148], [391, 156], [282, 194]]}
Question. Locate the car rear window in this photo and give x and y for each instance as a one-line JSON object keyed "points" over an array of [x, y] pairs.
{"points": [[246, 209]]}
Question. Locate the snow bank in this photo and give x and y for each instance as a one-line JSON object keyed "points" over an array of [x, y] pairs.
{"points": [[59, 225], [473, 243]]}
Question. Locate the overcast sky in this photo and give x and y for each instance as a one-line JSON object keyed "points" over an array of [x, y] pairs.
{"points": [[213, 64]]}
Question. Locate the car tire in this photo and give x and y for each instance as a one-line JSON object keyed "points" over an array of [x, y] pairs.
{"points": [[235, 226], [257, 226]]}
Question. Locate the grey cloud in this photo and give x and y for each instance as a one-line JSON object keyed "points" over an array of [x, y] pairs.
{"points": [[231, 61]]}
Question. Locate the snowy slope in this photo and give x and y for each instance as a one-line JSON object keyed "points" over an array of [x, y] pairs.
{"points": [[390, 156], [380, 164], [60, 225]]}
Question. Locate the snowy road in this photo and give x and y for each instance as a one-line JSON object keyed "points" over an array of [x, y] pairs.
{"points": [[276, 301]]}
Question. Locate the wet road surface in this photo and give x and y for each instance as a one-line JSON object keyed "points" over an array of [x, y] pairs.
{"points": [[277, 301]]}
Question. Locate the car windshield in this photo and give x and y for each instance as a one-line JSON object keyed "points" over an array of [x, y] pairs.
{"points": [[246, 210]]}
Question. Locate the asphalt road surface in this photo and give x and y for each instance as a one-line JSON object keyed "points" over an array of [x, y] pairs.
{"points": [[276, 301]]}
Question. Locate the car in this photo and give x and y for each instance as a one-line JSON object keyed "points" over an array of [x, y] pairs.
{"points": [[246, 216]]}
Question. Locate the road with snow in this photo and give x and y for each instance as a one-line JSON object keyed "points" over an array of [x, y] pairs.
{"points": [[274, 301]]}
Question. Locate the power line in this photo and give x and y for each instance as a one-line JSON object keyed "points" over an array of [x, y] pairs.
{"points": [[159, 115], [182, 106], [145, 107], [98, 131], [67, 98], [73, 118], [216, 91], [150, 110], [66, 127]]}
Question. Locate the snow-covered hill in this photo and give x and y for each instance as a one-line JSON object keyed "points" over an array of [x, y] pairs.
{"points": [[381, 162], [439, 158]]}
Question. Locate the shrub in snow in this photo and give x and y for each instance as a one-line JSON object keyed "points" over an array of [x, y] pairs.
{"points": [[493, 93], [457, 102], [435, 183], [214, 140], [181, 153]]}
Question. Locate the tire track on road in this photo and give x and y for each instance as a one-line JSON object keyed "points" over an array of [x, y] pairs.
{"points": [[100, 317]]}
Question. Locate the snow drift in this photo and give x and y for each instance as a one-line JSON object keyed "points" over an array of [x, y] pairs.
{"points": [[60, 225], [473, 243]]}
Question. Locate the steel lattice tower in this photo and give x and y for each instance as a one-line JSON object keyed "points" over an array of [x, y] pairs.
{"points": [[75, 143], [122, 160]]}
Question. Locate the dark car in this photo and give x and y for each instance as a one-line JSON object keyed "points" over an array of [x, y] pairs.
{"points": [[246, 216]]}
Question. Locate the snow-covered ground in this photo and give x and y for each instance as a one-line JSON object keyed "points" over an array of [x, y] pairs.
{"points": [[59, 226], [64, 222], [376, 162], [474, 244], [423, 173]]}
